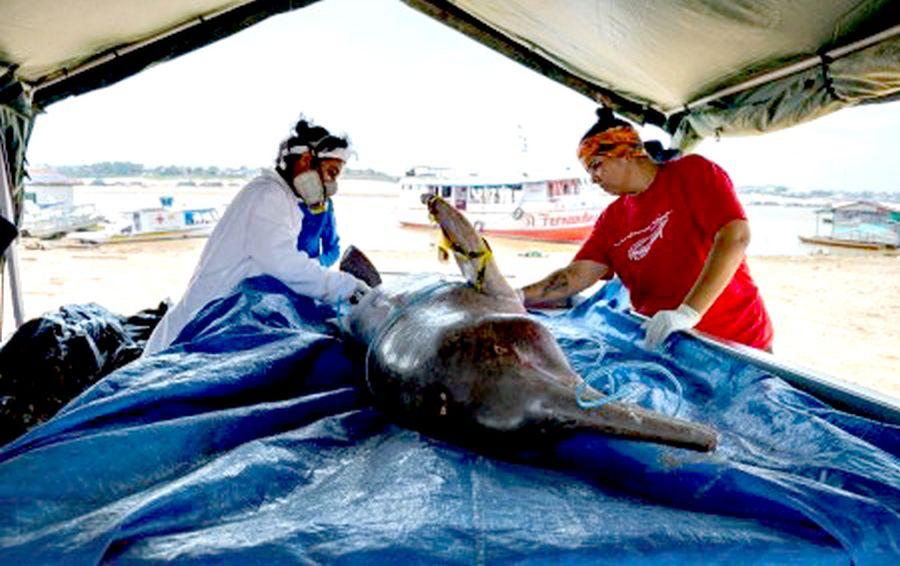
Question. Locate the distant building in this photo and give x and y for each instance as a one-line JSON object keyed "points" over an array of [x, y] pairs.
{"points": [[46, 176]]}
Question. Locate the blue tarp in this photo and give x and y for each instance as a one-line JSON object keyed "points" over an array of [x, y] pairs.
{"points": [[251, 440]]}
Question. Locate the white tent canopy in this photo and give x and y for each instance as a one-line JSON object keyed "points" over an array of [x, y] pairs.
{"points": [[693, 67]]}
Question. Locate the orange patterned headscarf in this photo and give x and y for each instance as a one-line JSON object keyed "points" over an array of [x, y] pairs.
{"points": [[621, 141]]}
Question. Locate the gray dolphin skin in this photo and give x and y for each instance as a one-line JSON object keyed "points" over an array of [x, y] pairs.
{"points": [[463, 361]]}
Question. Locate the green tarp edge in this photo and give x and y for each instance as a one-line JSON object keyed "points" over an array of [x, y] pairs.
{"points": [[868, 76], [17, 114]]}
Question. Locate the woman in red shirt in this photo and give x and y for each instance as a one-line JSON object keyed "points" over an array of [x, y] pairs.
{"points": [[676, 237]]}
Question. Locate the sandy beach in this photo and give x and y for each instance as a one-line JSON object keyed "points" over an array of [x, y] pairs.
{"points": [[838, 315]]}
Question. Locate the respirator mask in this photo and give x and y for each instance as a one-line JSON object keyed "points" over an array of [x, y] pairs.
{"points": [[309, 187]]}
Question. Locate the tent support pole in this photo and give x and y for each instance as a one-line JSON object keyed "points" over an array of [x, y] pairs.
{"points": [[808, 63], [12, 252]]}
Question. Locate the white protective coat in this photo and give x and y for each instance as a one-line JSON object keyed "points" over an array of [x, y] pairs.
{"points": [[256, 235]]}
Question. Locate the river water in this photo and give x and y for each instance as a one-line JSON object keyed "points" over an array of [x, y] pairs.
{"points": [[368, 211]]}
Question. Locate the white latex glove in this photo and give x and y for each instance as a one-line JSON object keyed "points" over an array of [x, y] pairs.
{"points": [[359, 292], [664, 323]]}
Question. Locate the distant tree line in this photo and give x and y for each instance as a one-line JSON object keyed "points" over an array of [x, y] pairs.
{"points": [[129, 169]]}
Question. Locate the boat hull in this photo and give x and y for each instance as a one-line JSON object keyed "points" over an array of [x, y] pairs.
{"points": [[151, 236], [568, 234], [853, 244]]}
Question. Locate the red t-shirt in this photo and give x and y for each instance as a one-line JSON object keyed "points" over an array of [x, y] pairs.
{"points": [[657, 242]]}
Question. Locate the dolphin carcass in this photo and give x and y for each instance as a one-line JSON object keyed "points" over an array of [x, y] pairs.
{"points": [[463, 361]]}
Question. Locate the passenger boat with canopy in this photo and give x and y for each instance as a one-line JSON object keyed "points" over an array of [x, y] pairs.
{"points": [[562, 209]]}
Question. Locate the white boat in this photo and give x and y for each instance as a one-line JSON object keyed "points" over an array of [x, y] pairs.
{"points": [[161, 223], [58, 219], [560, 209]]}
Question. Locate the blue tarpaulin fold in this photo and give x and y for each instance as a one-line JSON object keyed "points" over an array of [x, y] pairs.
{"points": [[252, 439]]}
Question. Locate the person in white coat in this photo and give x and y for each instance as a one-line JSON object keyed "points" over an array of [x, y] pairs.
{"points": [[280, 224]]}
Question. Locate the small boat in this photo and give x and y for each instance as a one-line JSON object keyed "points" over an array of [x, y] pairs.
{"points": [[161, 223], [841, 243], [58, 219], [548, 209], [861, 225]]}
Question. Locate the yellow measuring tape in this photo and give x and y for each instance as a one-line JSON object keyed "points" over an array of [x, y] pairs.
{"points": [[483, 255]]}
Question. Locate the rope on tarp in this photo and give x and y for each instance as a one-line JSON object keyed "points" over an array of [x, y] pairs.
{"points": [[632, 391]]}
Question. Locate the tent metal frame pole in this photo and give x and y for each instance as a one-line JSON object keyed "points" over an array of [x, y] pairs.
{"points": [[809, 63], [12, 252]]}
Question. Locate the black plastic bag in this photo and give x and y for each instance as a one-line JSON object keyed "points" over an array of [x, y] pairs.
{"points": [[51, 359], [8, 233]]}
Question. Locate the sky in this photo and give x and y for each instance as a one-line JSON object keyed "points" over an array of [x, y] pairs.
{"points": [[408, 91]]}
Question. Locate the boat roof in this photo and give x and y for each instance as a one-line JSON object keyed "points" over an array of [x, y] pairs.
{"points": [[483, 180], [46, 176], [861, 205], [170, 209]]}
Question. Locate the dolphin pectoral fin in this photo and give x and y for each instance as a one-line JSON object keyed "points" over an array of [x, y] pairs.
{"points": [[559, 409], [357, 264]]}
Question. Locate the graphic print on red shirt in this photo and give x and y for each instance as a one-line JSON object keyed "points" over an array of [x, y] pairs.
{"points": [[657, 242]]}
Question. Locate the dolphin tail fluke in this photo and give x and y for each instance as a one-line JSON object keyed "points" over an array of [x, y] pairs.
{"points": [[626, 421], [472, 252], [357, 264]]}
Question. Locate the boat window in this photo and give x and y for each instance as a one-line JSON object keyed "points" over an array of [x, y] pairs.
{"points": [[446, 191], [459, 200], [555, 189]]}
